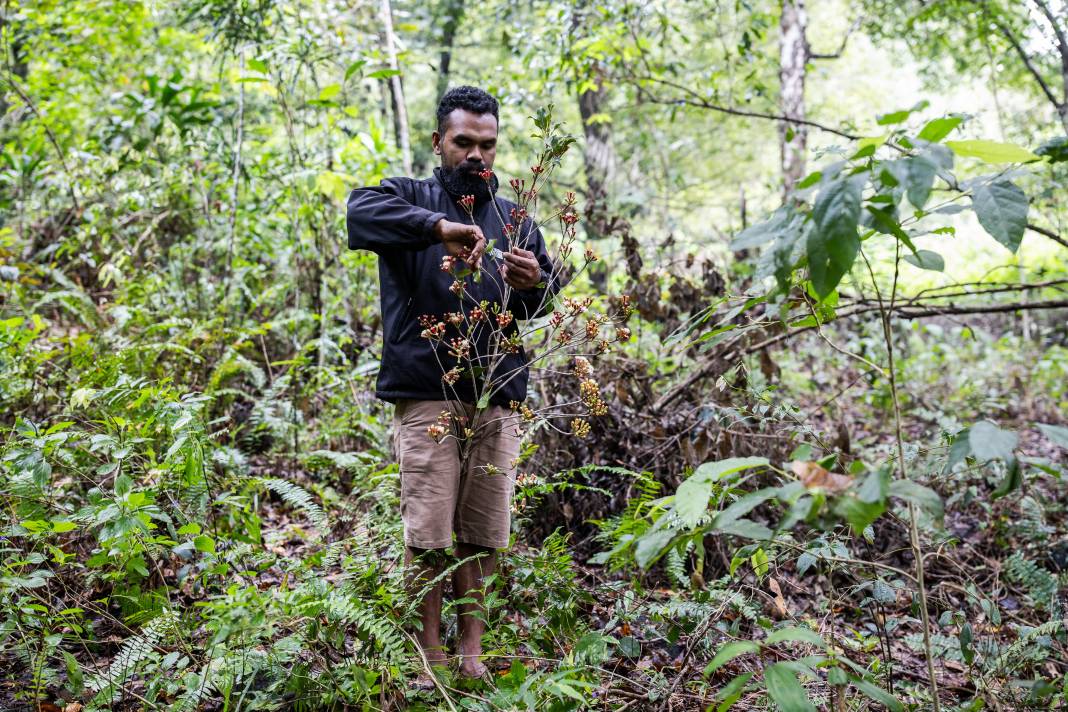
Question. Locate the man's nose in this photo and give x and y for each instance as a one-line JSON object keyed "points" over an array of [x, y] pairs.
{"points": [[474, 156]]}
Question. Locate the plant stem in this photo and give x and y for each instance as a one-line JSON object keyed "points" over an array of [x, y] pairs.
{"points": [[914, 528]]}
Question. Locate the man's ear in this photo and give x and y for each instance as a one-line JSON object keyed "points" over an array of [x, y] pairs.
{"points": [[435, 140]]}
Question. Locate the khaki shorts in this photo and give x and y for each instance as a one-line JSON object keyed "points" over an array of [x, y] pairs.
{"points": [[439, 497]]}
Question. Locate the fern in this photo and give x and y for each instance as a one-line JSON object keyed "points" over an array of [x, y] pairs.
{"points": [[379, 630], [299, 498], [1009, 657], [1041, 585], [132, 653]]}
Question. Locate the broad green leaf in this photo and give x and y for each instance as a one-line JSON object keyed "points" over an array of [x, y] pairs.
{"points": [[833, 243], [759, 561], [329, 92], [938, 129], [257, 65], [651, 545], [1056, 434], [958, 450], [859, 514], [795, 634], [354, 67], [919, 178], [923, 497], [732, 691], [691, 501], [784, 688], [1002, 211], [592, 649], [204, 543], [717, 470], [989, 442], [745, 504], [745, 528], [62, 527], [191, 528], [1013, 479], [878, 694], [729, 652], [992, 151], [926, 259], [1056, 149], [766, 231], [894, 117], [383, 74]]}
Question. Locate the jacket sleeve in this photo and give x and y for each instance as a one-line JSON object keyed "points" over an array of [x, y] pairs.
{"points": [[537, 301], [385, 217]]}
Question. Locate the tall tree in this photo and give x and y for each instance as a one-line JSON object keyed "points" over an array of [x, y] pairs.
{"points": [[396, 90], [793, 56]]}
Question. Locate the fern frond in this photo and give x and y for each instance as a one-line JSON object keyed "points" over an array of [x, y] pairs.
{"points": [[299, 498], [132, 652], [379, 630]]}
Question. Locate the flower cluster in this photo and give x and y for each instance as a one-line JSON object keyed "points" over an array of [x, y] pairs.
{"points": [[524, 410], [451, 376], [564, 337], [580, 428], [457, 287], [537, 169], [447, 263], [485, 175], [455, 318], [591, 397], [459, 347], [518, 215], [577, 306], [432, 328], [440, 429], [583, 368], [504, 319], [467, 202], [478, 313]]}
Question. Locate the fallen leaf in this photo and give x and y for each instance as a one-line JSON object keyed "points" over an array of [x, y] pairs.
{"points": [[73, 707], [814, 476], [780, 602]]}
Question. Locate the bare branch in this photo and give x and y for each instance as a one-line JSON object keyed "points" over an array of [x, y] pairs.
{"points": [[845, 40], [1048, 233], [700, 102], [1007, 33]]}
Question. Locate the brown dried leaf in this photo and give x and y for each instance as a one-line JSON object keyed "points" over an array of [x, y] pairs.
{"points": [[780, 602], [73, 707], [814, 476]]}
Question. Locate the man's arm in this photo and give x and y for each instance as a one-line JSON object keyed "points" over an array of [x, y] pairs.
{"points": [[384, 217]]}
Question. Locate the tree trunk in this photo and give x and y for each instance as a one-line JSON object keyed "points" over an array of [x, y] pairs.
{"points": [[396, 91], [793, 54], [454, 15]]}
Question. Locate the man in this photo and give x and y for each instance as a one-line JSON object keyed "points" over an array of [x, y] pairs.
{"points": [[412, 225]]}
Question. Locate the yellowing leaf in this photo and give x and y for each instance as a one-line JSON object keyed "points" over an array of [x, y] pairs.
{"points": [[992, 151], [82, 397]]}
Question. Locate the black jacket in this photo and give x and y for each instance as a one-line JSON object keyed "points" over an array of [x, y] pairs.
{"points": [[396, 220]]}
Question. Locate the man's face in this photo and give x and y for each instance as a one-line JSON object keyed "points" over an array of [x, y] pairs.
{"points": [[469, 144]]}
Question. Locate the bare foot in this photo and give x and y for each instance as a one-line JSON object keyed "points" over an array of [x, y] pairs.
{"points": [[472, 668]]}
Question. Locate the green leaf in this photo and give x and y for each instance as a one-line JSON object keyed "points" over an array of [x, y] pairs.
{"points": [[1056, 434], [833, 243], [894, 117], [651, 545], [61, 527], [1013, 479], [794, 634], [919, 178], [191, 528], [989, 442], [329, 92], [859, 514], [729, 652], [1002, 207], [354, 67], [1055, 149], [785, 690], [744, 505], [938, 129], [691, 501], [383, 74], [732, 691], [958, 450], [992, 151], [592, 649], [878, 694], [766, 231], [926, 259], [717, 470], [923, 497], [204, 543], [746, 528]]}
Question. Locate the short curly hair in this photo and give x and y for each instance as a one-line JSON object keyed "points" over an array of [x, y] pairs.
{"points": [[467, 98]]}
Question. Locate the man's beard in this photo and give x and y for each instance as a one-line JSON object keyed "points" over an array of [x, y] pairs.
{"points": [[464, 180]]}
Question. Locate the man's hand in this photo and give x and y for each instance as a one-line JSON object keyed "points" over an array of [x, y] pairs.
{"points": [[463, 241], [521, 269]]}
